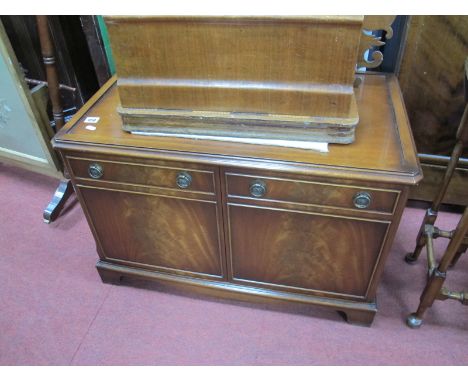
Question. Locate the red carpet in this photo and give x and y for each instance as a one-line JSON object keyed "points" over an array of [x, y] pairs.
{"points": [[56, 311]]}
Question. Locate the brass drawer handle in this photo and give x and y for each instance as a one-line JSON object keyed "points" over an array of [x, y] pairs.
{"points": [[183, 180], [95, 171], [258, 188], [362, 200]]}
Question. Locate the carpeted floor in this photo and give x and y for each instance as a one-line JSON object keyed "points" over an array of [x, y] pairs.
{"points": [[56, 311]]}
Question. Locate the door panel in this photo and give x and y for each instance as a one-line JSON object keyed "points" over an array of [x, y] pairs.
{"points": [[165, 232], [294, 249]]}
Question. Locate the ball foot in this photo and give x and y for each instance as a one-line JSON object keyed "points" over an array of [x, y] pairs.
{"points": [[413, 321]]}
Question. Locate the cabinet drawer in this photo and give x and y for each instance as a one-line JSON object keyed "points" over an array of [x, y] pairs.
{"points": [[309, 192], [193, 180]]}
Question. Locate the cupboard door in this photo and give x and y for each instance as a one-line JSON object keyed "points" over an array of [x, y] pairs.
{"points": [[166, 233], [303, 251]]}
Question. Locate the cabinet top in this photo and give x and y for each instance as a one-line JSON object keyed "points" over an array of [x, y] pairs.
{"points": [[383, 151]]}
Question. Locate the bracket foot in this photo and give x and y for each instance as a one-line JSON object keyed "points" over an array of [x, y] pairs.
{"points": [[62, 193]]}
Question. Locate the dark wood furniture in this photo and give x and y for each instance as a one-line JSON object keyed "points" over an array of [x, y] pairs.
{"points": [[73, 56], [242, 220], [431, 80], [96, 41], [428, 232], [64, 189], [54, 48]]}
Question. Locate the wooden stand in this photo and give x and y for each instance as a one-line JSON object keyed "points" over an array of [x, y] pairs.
{"points": [[65, 188]]}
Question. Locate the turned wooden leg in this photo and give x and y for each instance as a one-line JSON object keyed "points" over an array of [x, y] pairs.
{"points": [[359, 317], [457, 256], [437, 277], [412, 257], [63, 192], [109, 277], [431, 291], [429, 218]]}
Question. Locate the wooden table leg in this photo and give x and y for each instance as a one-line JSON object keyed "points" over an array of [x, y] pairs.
{"points": [[63, 192]]}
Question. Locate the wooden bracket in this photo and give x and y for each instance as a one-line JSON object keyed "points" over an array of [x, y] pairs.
{"points": [[369, 40]]}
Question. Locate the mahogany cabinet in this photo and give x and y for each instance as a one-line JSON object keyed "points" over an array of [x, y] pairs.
{"points": [[247, 221]]}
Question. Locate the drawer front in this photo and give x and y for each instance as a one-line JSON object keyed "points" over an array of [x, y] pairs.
{"points": [[181, 178], [309, 192]]}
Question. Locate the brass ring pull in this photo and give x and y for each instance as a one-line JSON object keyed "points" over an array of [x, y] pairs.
{"points": [[95, 171], [183, 180], [258, 189], [362, 200]]}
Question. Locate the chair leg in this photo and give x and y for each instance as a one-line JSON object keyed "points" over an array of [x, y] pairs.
{"points": [[453, 252], [429, 218], [431, 291], [421, 241], [437, 277], [431, 213], [412, 257], [460, 252], [63, 192]]}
